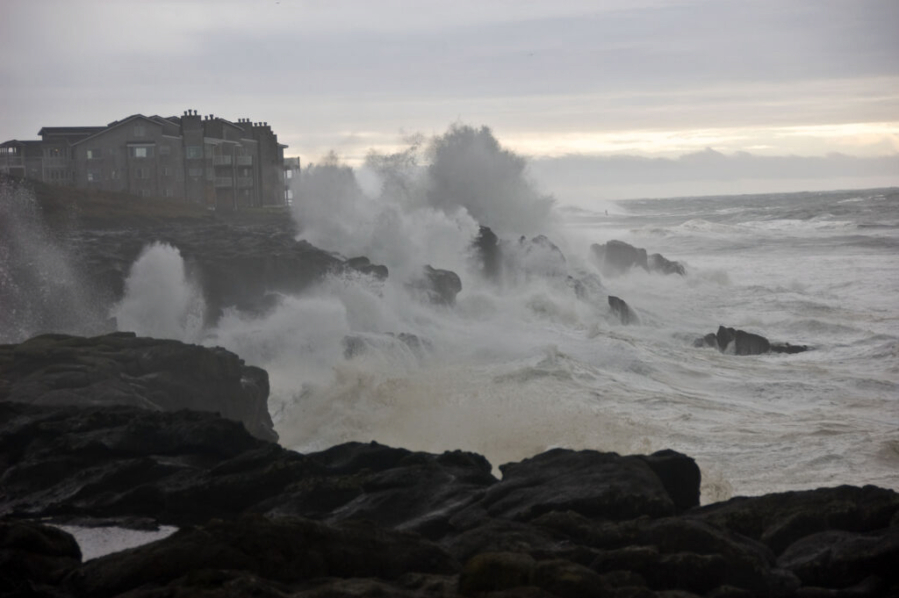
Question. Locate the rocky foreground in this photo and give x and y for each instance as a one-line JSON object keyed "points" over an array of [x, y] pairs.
{"points": [[91, 434]]}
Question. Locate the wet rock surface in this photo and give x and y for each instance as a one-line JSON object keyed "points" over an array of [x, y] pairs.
{"points": [[123, 369], [623, 311], [740, 342], [617, 257], [437, 286], [235, 264], [364, 519]]}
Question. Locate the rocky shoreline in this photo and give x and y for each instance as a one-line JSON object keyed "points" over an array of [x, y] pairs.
{"points": [[95, 432]]}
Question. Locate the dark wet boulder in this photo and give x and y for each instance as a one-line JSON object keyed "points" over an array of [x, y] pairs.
{"points": [[118, 461], [656, 262], [540, 257], [621, 309], [123, 369], [488, 254], [439, 287], [780, 519], [740, 342], [395, 488], [839, 559], [364, 265], [34, 558], [679, 474], [588, 482], [282, 552], [617, 257]]}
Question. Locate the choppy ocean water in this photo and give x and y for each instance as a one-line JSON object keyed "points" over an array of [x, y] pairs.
{"points": [[515, 369], [524, 364]]}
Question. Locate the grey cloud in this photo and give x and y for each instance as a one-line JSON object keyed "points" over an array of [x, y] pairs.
{"points": [[710, 165]]}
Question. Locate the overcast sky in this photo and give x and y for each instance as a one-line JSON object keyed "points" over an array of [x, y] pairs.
{"points": [[610, 98]]}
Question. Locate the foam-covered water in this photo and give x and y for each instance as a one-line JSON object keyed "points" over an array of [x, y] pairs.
{"points": [[519, 366]]}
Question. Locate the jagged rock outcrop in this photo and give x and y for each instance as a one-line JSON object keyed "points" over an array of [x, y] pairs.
{"points": [[233, 264], [740, 342], [542, 258], [487, 253], [617, 257], [34, 558], [123, 369], [621, 309], [364, 265], [437, 286]]}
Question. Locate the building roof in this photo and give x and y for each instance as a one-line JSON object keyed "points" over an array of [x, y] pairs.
{"points": [[69, 131], [114, 124], [27, 142]]}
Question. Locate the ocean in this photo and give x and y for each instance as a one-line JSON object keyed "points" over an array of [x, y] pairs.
{"points": [[523, 363], [517, 367]]}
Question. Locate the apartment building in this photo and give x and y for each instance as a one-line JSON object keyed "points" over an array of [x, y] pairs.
{"points": [[204, 159]]}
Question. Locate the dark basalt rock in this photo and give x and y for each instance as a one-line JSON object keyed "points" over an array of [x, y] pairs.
{"points": [[617, 257], [395, 488], [586, 482], [364, 265], [283, 551], [658, 263], [34, 558], [745, 343], [439, 287], [234, 264], [621, 309], [542, 258], [122, 369], [488, 253]]}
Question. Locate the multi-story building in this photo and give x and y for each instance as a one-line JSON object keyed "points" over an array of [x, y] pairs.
{"points": [[204, 159]]}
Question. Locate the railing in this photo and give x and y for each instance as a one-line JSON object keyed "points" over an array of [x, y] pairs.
{"points": [[55, 162], [221, 160], [12, 162], [224, 181], [244, 182], [244, 160]]}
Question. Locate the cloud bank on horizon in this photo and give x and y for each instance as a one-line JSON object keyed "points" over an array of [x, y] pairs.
{"points": [[628, 88]]}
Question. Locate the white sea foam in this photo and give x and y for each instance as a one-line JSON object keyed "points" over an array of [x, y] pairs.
{"points": [[160, 300]]}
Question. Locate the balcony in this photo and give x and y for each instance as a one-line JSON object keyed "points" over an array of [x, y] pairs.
{"points": [[244, 182], [224, 181], [12, 161], [221, 160], [244, 160], [56, 162]]}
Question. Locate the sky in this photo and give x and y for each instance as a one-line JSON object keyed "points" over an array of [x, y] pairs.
{"points": [[608, 99]]}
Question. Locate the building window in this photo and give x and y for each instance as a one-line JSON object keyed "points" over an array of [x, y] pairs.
{"points": [[166, 171], [94, 154], [164, 150], [141, 173], [195, 172], [140, 130], [93, 176], [169, 193], [194, 152], [142, 152]]}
